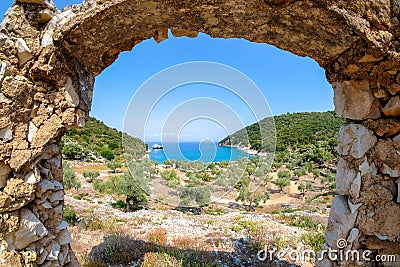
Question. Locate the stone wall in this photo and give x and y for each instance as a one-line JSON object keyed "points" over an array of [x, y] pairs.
{"points": [[49, 58]]}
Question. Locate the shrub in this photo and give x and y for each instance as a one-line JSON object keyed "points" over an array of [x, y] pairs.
{"points": [[72, 151], [70, 215], [158, 236], [107, 154], [113, 165], [117, 249], [119, 205], [90, 175], [69, 178], [160, 259], [314, 239]]}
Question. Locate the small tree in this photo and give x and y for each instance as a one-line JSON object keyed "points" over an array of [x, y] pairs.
{"points": [[282, 182], [69, 178], [302, 189], [90, 175], [72, 151], [113, 165], [107, 154]]}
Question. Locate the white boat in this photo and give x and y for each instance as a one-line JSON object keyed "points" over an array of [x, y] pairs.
{"points": [[156, 146]]}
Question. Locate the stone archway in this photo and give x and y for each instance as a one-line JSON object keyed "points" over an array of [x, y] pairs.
{"points": [[49, 60]]}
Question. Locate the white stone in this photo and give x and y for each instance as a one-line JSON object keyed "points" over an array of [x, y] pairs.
{"points": [[55, 22], [4, 99], [353, 235], [46, 205], [4, 72], [6, 134], [398, 192], [44, 186], [70, 94], [63, 225], [355, 186], [55, 251], [30, 178], [354, 207], [364, 167], [355, 100], [58, 185], [396, 141], [344, 177], [23, 52], [57, 196], [355, 140], [31, 131], [385, 169], [30, 229], [63, 237], [4, 171], [381, 237], [340, 221]]}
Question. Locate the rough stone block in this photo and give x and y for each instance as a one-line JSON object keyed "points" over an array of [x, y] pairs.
{"points": [[355, 100], [355, 140]]}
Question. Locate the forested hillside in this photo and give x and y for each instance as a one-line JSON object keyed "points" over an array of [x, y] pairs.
{"points": [[96, 140], [292, 131]]}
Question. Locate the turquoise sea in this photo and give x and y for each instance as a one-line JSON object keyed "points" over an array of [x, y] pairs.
{"points": [[192, 151]]}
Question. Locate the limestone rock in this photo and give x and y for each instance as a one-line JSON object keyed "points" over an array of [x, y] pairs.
{"points": [[355, 140], [355, 186], [392, 108], [57, 196], [354, 207], [70, 94], [4, 99], [56, 21], [44, 186], [63, 237], [4, 72], [19, 158], [58, 185], [30, 178], [63, 225], [30, 229], [6, 134], [355, 100], [398, 192], [11, 258], [364, 167], [353, 235], [31, 131], [4, 171], [55, 251], [344, 177], [385, 169], [46, 131], [396, 141], [15, 195], [24, 53], [340, 222]]}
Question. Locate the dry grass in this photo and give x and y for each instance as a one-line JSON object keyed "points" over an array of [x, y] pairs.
{"points": [[158, 236], [157, 259], [183, 242]]}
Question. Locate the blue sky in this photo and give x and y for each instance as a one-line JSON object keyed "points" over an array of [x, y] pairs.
{"points": [[288, 82]]}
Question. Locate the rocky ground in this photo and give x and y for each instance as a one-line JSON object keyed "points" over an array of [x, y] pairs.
{"points": [[227, 236]]}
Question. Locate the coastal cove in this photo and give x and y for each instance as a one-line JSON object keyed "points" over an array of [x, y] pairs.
{"points": [[193, 151]]}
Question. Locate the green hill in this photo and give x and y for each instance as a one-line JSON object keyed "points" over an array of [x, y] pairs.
{"points": [[96, 141], [293, 131]]}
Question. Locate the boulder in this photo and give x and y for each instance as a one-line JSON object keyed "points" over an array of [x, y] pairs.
{"points": [[340, 222], [355, 100], [6, 134], [344, 177], [23, 52], [355, 140], [30, 230], [392, 108]]}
